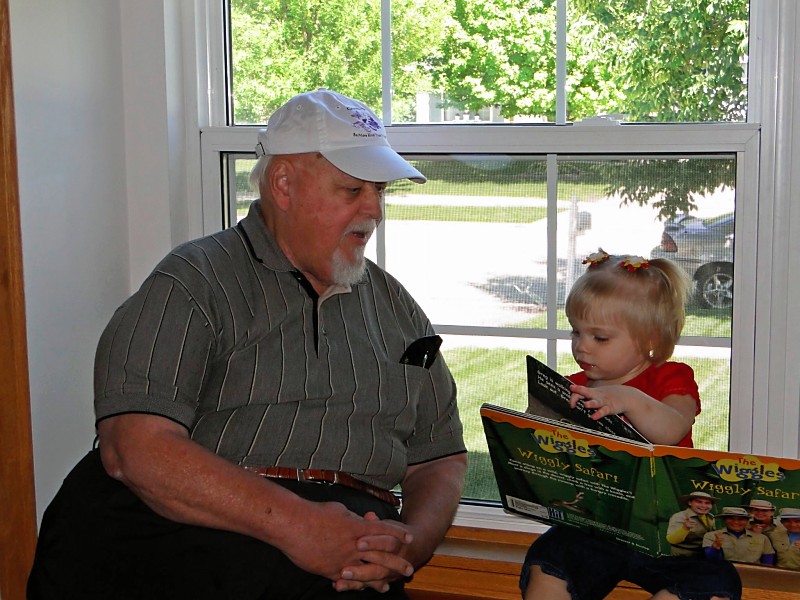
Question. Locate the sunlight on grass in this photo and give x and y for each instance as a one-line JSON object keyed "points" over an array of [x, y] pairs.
{"points": [[472, 214]]}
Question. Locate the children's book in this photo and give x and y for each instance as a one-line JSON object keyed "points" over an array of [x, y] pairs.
{"points": [[559, 472], [548, 396]]}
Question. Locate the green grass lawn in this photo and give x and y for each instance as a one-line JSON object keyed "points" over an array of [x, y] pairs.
{"points": [[458, 177], [525, 178], [705, 322], [471, 214]]}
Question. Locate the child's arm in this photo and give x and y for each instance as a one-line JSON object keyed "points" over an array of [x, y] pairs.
{"points": [[665, 422]]}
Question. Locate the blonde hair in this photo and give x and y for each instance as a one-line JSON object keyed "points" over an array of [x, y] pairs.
{"points": [[647, 300]]}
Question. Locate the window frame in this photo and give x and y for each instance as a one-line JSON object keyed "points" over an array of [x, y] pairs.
{"points": [[754, 412]]}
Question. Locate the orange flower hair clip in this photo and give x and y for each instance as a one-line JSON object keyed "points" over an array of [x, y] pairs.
{"points": [[595, 258], [632, 263]]}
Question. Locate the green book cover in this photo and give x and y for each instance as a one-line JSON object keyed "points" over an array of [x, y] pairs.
{"points": [[563, 474]]}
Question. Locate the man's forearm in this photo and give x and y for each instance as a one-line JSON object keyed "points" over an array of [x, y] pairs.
{"points": [[431, 493], [186, 483]]}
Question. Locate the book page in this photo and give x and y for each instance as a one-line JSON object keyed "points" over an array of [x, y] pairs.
{"points": [[548, 396]]}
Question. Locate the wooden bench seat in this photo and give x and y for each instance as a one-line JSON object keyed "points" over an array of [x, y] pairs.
{"points": [[478, 563]]}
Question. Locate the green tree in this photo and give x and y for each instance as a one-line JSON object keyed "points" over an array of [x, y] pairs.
{"points": [[652, 60], [499, 53], [282, 47], [672, 60], [669, 185], [504, 53]]}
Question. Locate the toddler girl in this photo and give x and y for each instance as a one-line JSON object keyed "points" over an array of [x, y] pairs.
{"points": [[627, 314]]}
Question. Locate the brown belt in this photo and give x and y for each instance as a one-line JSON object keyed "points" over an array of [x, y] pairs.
{"points": [[323, 476]]}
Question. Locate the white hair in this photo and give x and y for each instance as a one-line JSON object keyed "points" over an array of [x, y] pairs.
{"points": [[258, 172]]}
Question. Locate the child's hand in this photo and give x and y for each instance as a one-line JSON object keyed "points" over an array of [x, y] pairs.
{"points": [[665, 422], [605, 400]]}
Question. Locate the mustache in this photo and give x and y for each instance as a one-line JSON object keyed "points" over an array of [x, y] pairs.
{"points": [[367, 228]]}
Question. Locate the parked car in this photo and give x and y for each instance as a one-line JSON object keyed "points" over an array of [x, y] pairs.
{"points": [[704, 249]]}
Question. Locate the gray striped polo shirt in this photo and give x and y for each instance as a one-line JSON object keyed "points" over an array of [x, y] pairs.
{"points": [[224, 338]]}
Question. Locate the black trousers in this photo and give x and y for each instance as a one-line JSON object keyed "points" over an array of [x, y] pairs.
{"points": [[99, 541]]}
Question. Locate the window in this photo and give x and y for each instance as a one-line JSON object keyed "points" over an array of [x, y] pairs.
{"points": [[480, 60], [518, 195]]}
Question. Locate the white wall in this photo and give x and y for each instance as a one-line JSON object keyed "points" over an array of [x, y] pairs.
{"points": [[93, 141], [68, 100], [161, 124]]}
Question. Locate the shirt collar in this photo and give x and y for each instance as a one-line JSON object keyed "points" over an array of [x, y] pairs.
{"points": [[261, 241]]}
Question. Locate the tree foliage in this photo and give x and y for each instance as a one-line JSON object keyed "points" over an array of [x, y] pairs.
{"points": [[651, 60], [500, 53], [674, 60], [670, 185], [283, 47]]}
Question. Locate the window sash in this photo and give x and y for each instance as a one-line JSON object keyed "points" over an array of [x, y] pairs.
{"points": [[738, 139]]}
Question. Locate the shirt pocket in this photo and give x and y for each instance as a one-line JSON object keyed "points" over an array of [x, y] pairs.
{"points": [[399, 396]]}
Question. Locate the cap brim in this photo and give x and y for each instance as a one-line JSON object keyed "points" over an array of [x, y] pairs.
{"points": [[373, 163]]}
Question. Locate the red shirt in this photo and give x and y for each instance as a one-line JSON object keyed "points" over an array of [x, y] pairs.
{"points": [[660, 382]]}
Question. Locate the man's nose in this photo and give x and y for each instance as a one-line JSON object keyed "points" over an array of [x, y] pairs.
{"points": [[372, 201]]}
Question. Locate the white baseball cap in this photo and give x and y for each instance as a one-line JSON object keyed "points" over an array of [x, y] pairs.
{"points": [[343, 130]]}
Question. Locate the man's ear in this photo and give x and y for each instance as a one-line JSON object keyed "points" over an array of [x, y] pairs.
{"points": [[279, 181]]}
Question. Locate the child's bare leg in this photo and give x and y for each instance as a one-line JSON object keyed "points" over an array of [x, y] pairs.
{"points": [[542, 586]]}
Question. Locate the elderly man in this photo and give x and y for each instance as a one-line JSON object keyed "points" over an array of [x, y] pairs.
{"points": [[259, 397]]}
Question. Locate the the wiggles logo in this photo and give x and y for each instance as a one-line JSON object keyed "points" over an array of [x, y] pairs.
{"points": [[561, 440], [747, 467]]}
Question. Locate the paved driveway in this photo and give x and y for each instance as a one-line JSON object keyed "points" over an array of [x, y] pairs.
{"points": [[496, 273]]}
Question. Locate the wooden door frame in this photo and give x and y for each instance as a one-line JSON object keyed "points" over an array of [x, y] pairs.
{"points": [[17, 496]]}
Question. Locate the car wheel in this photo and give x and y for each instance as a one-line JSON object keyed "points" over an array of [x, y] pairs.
{"points": [[714, 286]]}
